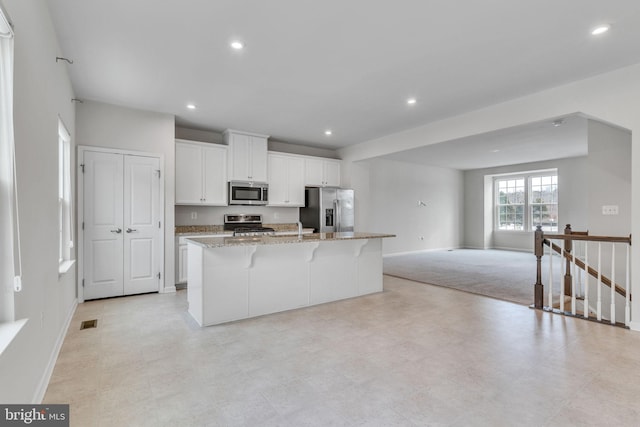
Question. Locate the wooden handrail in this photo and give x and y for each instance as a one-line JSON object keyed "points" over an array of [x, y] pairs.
{"points": [[605, 280], [581, 236]]}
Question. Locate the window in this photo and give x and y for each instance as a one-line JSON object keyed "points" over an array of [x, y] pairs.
{"points": [[65, 230], [9, 239], [527, 200]]}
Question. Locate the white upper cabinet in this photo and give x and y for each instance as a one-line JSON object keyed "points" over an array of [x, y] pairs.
{"points": [[201, 174], [321, 172], [286, 180], [247, 156]]}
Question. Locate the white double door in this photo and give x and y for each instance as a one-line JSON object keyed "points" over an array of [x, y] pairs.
{"points": [[122, 224]]}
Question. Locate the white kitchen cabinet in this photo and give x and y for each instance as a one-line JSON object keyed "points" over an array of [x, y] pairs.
{"points": [[181, 261], [201, 174], [321, 172], [247, 156], [286, 180], [182, 253]]}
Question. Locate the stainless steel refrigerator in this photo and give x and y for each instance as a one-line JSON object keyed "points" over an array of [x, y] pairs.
{"points": [[328, 209]]}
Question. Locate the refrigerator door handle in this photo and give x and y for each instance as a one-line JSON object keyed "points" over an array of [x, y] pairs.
{"points": [[338, 215]]}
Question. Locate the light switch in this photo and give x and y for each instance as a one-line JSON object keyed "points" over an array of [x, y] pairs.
{"points": [[610, 210], [194, 215]]}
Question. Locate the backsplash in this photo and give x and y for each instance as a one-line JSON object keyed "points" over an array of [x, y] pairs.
{"points": [[214, 215]]}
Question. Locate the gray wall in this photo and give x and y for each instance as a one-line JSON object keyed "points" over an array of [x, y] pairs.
{"points": [[110, 126], [387, 194], [609, 178], [478, 193], [42, 92], [214, 215]]}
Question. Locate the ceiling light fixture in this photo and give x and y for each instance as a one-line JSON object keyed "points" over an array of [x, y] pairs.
{"points": [[411, 101], [237, 45], [601, 29], [191, 106], [328, 132]]}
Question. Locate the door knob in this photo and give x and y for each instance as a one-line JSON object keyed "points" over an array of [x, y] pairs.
{"points": [[130, 230], [117, 231]]}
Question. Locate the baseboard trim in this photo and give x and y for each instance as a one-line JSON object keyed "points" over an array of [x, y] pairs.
{"points": [[420, 251], [634, 326], [504, 248], [46, 376], [168, 290]]}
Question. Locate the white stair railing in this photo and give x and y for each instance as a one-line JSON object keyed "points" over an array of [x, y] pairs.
{"points": [[578, 278]]}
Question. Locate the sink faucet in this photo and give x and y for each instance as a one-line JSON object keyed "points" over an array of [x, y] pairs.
{"points": [[299, 229]]}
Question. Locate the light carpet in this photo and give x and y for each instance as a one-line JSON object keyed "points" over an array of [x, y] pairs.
{"points": [[505, 275]]}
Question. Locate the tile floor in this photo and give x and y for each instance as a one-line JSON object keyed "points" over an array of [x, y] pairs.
{"points": [[414, 355]]}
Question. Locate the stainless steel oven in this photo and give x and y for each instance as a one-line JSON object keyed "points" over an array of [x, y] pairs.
{"points": [[248, 193]]}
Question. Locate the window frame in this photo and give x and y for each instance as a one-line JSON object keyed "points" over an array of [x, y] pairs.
{"points": [[65, 201], [528, 217]]}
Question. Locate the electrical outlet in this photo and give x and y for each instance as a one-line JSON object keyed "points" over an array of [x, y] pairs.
{"points": [[194, 215], [610, 210]]}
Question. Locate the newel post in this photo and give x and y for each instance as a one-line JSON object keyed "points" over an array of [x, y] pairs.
{"points": [[568, 246], [538, 246]]}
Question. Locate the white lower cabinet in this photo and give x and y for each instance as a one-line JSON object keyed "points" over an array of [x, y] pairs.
{"points": [[182, 254], [235, 282]]}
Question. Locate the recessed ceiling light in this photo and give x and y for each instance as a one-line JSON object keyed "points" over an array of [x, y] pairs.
{"points": [[495, 151], [328, 132], [601, 29], [191, 106], [411, 101], [237, 45]]}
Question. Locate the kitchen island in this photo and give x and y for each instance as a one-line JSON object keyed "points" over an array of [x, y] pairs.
{"points": [[232, 278]]}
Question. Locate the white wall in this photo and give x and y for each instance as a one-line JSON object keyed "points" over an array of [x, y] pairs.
{"points": [[42, 92], [110, 126], [387, 196], [273, 145], [572, 202]]}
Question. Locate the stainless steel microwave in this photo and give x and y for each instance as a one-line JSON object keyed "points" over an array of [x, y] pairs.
{"points": [[248, 193]]}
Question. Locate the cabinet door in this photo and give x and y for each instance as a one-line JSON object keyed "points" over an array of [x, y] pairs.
{"points": [[258, 158], [240, 157], [182, 263], [296, 181], [331, 173], [278, 182], [313, 172], [188, 174], [215, 175]]}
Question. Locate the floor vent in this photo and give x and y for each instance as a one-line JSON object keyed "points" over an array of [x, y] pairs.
{"points": [[87, 324]]}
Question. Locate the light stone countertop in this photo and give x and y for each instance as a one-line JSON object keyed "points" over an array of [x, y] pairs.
{"points": [[219, 242]]}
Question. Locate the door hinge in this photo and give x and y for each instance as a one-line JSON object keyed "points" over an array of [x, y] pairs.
{"points": [[83, 283], [158, 171], [83, 225], [82, 167], [159, 224], [159, 276]]}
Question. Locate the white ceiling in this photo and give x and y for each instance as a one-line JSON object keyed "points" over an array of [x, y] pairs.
{"points": [[528, 143], [349, 65]]}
